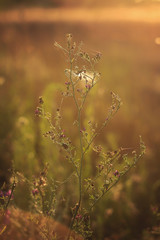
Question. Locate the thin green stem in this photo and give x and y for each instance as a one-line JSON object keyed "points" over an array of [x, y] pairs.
{"points": [[10, 196], [100, 129], [42, 200], [81, 146]]}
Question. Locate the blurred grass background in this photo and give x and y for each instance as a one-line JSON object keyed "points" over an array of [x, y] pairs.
{"points": [[30, 66]]}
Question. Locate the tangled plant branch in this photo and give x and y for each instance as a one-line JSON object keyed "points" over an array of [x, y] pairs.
{"points": [[112, 165]]}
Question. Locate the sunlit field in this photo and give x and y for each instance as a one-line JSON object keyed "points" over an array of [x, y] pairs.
{"points": [[31, 66]]}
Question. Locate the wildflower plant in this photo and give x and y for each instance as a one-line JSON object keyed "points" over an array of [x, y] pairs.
{"points": [[6, 197], [81, 77]]}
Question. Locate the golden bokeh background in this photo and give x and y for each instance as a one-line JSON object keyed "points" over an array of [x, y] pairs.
{"points": [[127, 33]]}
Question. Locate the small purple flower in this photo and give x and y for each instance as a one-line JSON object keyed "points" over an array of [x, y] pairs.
{"points": [[62, 134], [1, 194], [88, 86], [36, 111], [5, 194], [67, 83], [79, 217], [35, 191], [83, 130], [41, 100], [116, 173], [79, 90], [8, 194]]}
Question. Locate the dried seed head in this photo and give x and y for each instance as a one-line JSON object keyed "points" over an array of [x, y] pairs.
{"points": [[69, 40], [41, 100]]}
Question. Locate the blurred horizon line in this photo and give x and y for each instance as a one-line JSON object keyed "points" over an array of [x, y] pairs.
{"points": [[121, 14]]}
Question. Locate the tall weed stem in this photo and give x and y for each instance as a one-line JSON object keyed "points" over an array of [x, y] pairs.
{"points": [[80, 144]]}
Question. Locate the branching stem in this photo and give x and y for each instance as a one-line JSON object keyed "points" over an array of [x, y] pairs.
{"points": [[81, 146]]}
